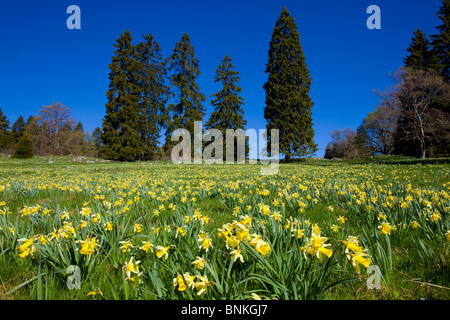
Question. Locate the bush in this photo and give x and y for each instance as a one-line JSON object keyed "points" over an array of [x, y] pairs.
{"points": [[24, 148]]}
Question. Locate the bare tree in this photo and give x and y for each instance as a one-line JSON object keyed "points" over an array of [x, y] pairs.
{"points": [[54, 122], [376, 132], [342, 144], [422, 98]]}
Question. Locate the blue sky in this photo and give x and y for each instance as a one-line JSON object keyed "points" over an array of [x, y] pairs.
{"points": [[45, 62]]}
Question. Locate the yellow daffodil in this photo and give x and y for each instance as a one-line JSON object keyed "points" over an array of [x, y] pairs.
{"points": [[385, 228], [199, 263], [202, 285], [108, 226], [137, 227], [162, 252], [236, 254], [179, 281], [126, 246], [131, 267], [341, 219], [147, 246], [88, 245]]}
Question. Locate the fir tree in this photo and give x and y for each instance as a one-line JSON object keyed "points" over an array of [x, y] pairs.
{"points": [[120, 135], [228, 112], [420, 55], [24, 148], [441, 42], [6, 136], [151, 77], [18, 128], [288, 104], [79, 127], [187, 108]]}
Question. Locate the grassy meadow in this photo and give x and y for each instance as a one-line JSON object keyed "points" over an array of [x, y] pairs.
{"points": [[149, 230]]}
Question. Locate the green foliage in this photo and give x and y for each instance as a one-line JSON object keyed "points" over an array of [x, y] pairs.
{"points": [[441, 41], [18, 128], [151, 78], [24, 148], [120, 136], [288, 104], [420, 55], [187, 107], [228, 112]]}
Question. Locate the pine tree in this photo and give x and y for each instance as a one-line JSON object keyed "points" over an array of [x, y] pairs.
{"points": [[152, 74], [24, 148], [441, 42], [18, 128], [420, 55], [6, 136], [228, 112], [120, 135], [288, 104], [187, 108], [78, 127]]}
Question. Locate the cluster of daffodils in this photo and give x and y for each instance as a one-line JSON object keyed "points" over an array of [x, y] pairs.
{"points": [[197, 282], [239, 231], [316, 245], [355, 253]]}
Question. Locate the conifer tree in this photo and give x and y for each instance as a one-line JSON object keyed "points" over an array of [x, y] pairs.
{"points": [[18, 128], [288, 104], [441, 42], [24, 148], [151, 78], [420, 55], [120, 136], [187, 107], [6, 137], [228, 112]]}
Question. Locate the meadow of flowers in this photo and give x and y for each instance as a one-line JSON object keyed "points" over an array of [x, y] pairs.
{"points": [[165, 231]]}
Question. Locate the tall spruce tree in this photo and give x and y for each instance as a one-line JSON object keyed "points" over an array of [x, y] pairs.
{"points": [[288, 104], [228, 112], [6, 136], [154, 95], [18, 128], [420, 55], [120, 136], [187, 108], [441, 42]]}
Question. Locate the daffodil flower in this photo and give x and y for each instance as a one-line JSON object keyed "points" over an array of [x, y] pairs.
{"points": [[126, 246], [88, 245], [202, 285], [162, 252], [385, 228], [147, 246], [199, 263], [131, 267], [179, 281], [236, 254]]}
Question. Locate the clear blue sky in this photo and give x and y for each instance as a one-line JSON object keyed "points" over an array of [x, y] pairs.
{"points": [[42, 61]]}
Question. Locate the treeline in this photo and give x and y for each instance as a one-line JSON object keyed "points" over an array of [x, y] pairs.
{"points": [[51, 132], [413, 116], [149, 97]]}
